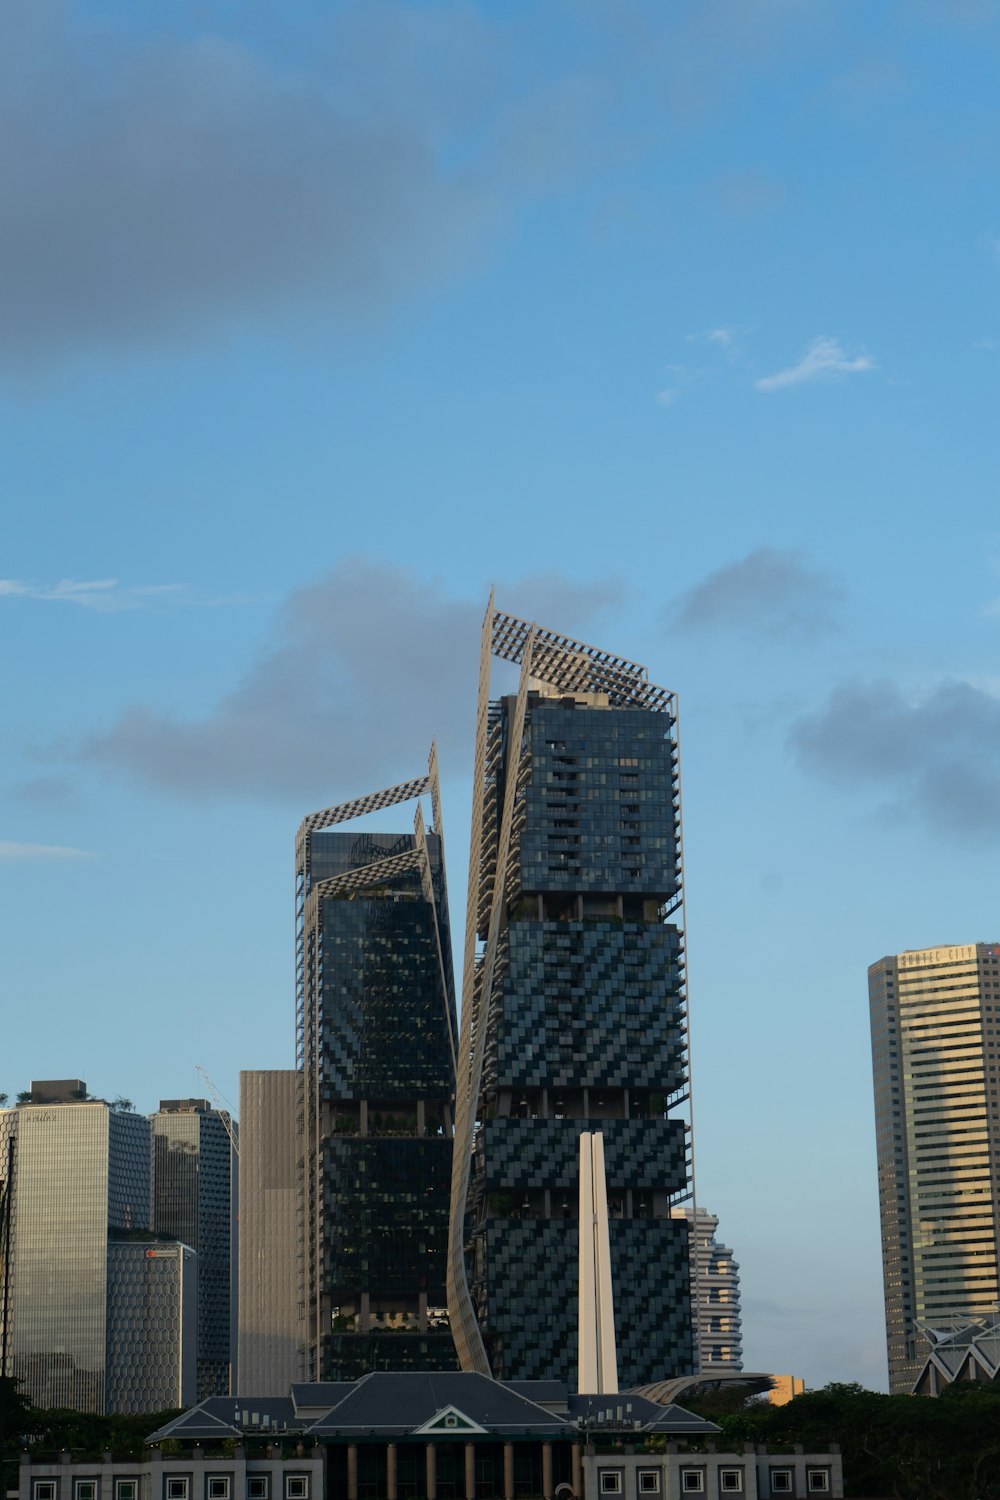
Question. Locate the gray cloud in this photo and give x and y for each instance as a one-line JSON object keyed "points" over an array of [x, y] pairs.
{"points": [[144, 191], [938, 758], [770, 591], [370, 664], [152, 189]]}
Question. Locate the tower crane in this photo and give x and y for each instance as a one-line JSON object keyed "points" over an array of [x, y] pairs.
{"points": [[225, 1109]]}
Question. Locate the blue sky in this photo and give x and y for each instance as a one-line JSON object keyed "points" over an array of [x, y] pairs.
{"points": [[677, 322]]}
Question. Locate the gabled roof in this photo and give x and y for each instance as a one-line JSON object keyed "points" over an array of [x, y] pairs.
{"points": [[628, 1409], [449, 1419], [197, 1424], [231, 1416], [403, 1403]]}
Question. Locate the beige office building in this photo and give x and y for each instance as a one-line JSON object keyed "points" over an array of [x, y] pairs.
{"points": [[269, 1335], [934, 1017]]}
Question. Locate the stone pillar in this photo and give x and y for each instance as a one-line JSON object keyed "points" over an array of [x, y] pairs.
{"points": [[470, 1471], [352, 1471], [547, 1486], [432, 1475], [390, 1471], [508, 1471], [577, 1473]]}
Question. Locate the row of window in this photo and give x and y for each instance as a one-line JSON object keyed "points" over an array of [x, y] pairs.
{"points": [[178, 1487], [730, 1481]]}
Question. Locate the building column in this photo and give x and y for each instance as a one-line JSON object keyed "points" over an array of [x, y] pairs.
{"points": [[432, 1476], [508, 1471], [547, 1487], [352, 1471], [577, 1473], [470, 1471], [390, 1471]]}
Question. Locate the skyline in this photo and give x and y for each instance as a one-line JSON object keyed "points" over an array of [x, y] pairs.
{"points": [[722, 358]]}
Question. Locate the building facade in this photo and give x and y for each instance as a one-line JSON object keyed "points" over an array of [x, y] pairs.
{"points": [[194, 1201], [935, 1054], [573, 1014], [376, 1040], [715, 1292], [269, 1358], [152, 1334], [77, 1174]]}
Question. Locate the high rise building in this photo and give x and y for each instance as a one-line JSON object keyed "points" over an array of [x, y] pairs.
{"points": [[194, 1201], [376, 1028], [573, 1013], [269, 1332], [935, 1053], [715, 1292], [78, 1176], [152, 1331]]}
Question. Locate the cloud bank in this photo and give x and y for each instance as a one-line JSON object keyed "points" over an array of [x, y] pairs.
{"points": [[771, 592], [369, 665], [937, 758], [824, 357]]}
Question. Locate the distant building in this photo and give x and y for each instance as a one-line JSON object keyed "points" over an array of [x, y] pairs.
{"points": [[785, 1388], [152, 1334], [935, 1014], [715, 1292], [269, 1358], [77, 1175], [194, 1201], [376, 1043]]}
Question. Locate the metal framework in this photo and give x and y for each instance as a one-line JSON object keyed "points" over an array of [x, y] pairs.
{"points": [[309, 896], [545, 656]]}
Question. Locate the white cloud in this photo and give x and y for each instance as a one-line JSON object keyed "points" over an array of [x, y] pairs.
{"points": [[666, 397], [824, 356], [9, 850], [103, 594], [722, 337]]}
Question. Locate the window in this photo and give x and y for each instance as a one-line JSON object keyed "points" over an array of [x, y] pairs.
{"points": [[649, 1481], [781, 1481], [693, 1481], [258, 1487], [217, 1487], [43, 1489], [818, 1481], [296, 1487], [126, 1489], [85, 1489], [611, 1481], [731, 1481], [176, 1488]]}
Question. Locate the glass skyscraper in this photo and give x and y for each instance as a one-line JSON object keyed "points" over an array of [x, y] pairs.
{"points": [[376, 1028], [80, 1180], [194, 1201], [935, 1023], [573, 1013], [152, 1332]]}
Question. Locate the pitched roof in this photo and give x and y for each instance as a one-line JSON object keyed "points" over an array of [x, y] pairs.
{"points": [[550, 1393], [319, 1395], [403, 1402], [628, 1409], [231, 1416]]}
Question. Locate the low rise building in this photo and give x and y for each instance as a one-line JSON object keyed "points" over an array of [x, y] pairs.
{"points": [[438, 1436]]}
